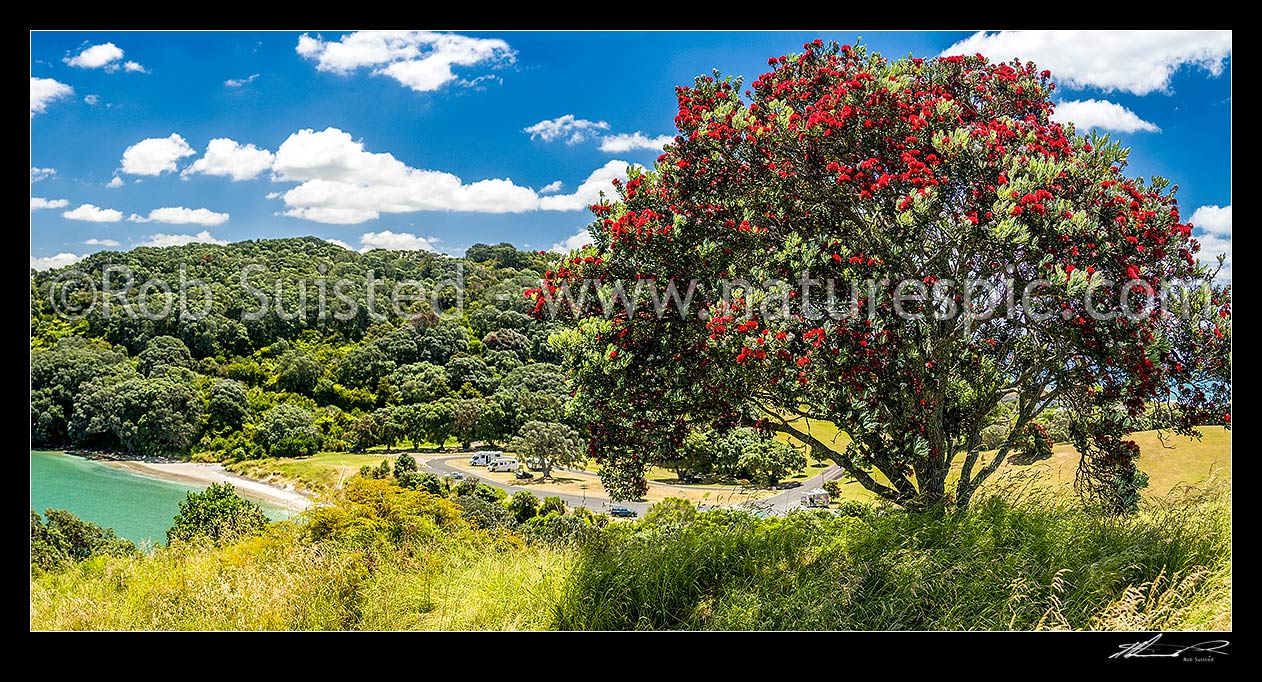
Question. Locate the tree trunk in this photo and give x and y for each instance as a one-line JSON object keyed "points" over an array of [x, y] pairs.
{"points": [[546, 464]]}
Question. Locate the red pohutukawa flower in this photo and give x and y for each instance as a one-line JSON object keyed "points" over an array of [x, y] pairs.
{"points": [[855, 168]]}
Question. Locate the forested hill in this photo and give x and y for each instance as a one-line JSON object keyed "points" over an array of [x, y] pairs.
{"points": [[466, 361]]}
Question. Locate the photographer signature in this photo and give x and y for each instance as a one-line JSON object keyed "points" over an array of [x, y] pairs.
{"points": [[1154, 649]]}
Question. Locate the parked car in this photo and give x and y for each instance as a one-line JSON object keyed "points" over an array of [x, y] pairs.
{"points": [[623, 512], [456, 476], [523, 474]]}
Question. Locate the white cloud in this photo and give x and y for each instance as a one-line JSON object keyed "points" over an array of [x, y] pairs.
{"points": [[115, 182], [96, 56], [178, 215], [571, 130], [551, 187], [624, 142], [421, 60], [228, 157], [160, 239], [61, 260], [38, 174], [1214, 222], [343, 183], [92, 100], [46, 90], [238, 82], [134, 67], [575, 241], [89, 213], [273, 195], [587, 193], [1215, 219], [1138, 62], [395, 241], [101, 242], [1097, 113], [155, 155], [340, 243], [38, 203]]}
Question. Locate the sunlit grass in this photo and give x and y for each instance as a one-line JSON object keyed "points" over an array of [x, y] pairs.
{"points": [[1169, 460]]}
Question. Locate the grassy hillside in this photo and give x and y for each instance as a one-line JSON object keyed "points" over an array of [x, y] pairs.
{"points": [[380, 557]]}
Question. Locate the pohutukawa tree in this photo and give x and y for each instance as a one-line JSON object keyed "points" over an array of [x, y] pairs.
{"points": [[841, 166]]}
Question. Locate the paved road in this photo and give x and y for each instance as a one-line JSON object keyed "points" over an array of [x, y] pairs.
{"points": [[595, 503], [780, 503]]}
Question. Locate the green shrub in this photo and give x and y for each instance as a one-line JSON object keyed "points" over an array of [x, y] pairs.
{"points": [[426, 481], [523, 505], [218, 514], [556, 529], [484, 514], [854, 508], [552, 505], [65, 539]]}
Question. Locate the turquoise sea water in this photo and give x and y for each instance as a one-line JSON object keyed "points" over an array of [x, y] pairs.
{"points": [[137, 507]]}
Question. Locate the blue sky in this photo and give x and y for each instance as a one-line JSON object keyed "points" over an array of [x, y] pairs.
{"points": [[418, 140]]}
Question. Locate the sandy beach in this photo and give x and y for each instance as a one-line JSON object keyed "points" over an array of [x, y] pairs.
{"points": [[195, 472]]}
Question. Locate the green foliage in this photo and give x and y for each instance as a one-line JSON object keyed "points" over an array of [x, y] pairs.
{"points": [[524, 505], [1035, 444], [217, 514], [854, 508], [426, 481], [369, 511], [64, 539], [746, 454], [161, 415], [489, 493], [228, 406], [163, 351], [552, 505], [470, 487], [591, 517], [58, 375], [483, 513], [551, 444], [767, 460], [288, 431], [672, 510], [833, 488], [442, 341], [1001, 565], [364, 366], [420, 382], [381, 471], [473, 371], [298, 372], [554, 529], [405, 464], [504, 255]]}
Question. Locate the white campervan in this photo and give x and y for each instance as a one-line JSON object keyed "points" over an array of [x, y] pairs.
{"points": [[485, 457], [501, 464]]}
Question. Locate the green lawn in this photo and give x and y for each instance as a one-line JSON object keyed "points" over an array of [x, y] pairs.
{"points": [[317, 472]]}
